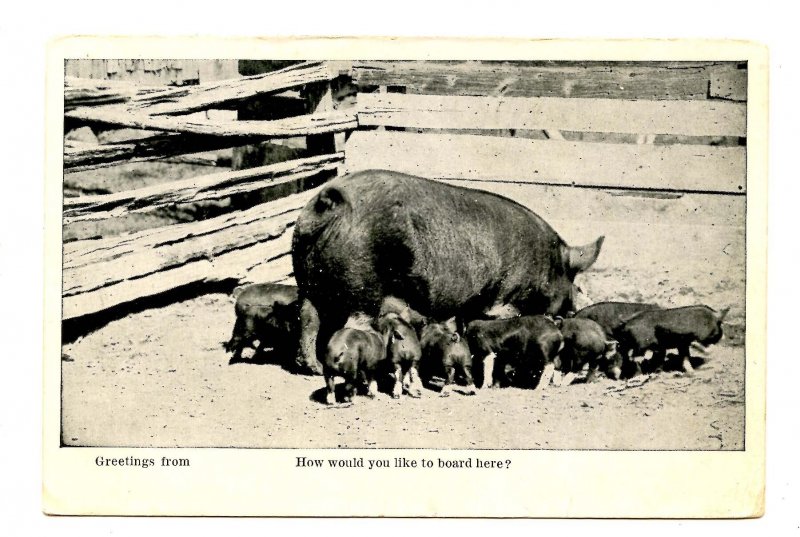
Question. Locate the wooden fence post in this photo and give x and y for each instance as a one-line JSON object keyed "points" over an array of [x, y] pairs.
{"points": [[319, 99]]}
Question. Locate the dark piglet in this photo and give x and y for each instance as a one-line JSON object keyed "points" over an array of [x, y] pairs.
{"points": [[585, 342], [399, 306], [518, 351], [445, 250], [403, 350], [611, 315], [356, 353], [268, 313], [445, 352], [676, 328]]}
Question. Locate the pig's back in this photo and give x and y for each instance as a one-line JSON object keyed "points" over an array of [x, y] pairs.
{"points": [[441, 247]]}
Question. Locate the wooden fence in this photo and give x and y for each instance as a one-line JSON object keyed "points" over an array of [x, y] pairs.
{"points": [[659, 126]]}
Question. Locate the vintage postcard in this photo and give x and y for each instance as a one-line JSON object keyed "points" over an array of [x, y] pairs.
{"points": [[405, 277]]}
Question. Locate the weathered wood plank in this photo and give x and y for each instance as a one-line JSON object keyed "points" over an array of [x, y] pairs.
{"points": [[79, 157], [621, 81], [727, 84], [275, 271], [99, 274], [210, 70], [323, 122], [272, 264], [195, 189], [91, 92], [88, 252], [692, 118], [144, 259], [660, 167], [205, 96]]}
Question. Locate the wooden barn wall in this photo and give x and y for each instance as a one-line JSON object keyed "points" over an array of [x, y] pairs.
{"points": [[153, 71]]}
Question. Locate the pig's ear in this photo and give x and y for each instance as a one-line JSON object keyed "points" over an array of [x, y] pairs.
{"points": [[451, 325], [721, 315], [397, 335], [329, 199], [580, 258], [405, 314]]}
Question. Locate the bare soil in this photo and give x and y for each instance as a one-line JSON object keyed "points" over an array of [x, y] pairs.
{"points": [[161, 378]]}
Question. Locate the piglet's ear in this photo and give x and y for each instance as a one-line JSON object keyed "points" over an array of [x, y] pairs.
{"points": [[450, 324], [397, 335]]}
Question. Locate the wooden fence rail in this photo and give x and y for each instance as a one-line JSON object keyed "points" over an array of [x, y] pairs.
{"points": [[207, 187], [621, 80], [460, 156], [304, 125], [82, 156], [100, 274], [691, 118]]}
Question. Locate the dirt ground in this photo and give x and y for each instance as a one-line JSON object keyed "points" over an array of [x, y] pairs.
{"points": [[161, 378]]}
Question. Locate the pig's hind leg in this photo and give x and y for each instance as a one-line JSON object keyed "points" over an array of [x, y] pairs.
{"points": [[449, 381], [330, 384], [414, 382], [466, 369], [397, 386], [236, 343], [686, 363]]}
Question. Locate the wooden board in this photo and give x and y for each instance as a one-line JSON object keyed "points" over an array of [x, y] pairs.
{"points": [[194, 189], [619, 81], [727, 84], [90, 92], [148, 71], [229, 266], [81, 156], [212, 95], [692, 118], [660, 167], [304, 125], [99, 274]]}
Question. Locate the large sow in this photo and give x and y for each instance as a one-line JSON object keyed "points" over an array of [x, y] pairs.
{"points": [[445, 250]]}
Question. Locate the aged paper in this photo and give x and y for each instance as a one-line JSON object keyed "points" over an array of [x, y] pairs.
{"points": [[145, 413]]}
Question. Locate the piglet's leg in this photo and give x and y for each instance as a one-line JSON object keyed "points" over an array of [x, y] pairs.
{"points": [[372, 389], [590, 375], [488, 370], [470, 389], [330, 395], [397, 389], [687, 364], [547, 375], [349, 391], [407, 381], [448, 382], [415, 383]]}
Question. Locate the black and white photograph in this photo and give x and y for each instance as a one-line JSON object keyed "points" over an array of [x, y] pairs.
{"points": [[528, 255]]}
